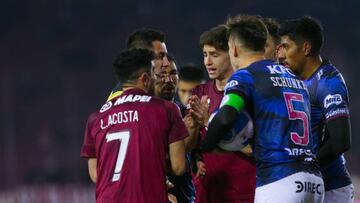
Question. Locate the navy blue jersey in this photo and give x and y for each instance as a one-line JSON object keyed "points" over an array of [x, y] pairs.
{"points": [[329, 100], [280, 108]]}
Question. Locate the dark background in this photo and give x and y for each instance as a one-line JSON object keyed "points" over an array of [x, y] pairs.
{"points": [[56, 68]]}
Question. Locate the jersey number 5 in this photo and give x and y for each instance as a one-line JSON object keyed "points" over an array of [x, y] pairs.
{"points": [[123, 137], [300, 115]]}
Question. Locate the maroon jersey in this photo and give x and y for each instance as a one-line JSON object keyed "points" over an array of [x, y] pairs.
{"points": [[229, 176], [129, 137]]}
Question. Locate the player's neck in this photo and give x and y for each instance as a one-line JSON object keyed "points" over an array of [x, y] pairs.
{"points": [[128, 86], [311, 65], [220, 82], [247, 59]]}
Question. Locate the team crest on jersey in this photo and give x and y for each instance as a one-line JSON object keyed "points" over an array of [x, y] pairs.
{"points": [[332, 99], [231, 83], [106, 106]]}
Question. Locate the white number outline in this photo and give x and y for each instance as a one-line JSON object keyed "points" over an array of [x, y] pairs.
{"points": [[297, 115], [123, 137]]}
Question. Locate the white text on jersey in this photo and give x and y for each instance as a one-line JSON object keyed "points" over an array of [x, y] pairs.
{"points": [[119, 117], [132, 98]]}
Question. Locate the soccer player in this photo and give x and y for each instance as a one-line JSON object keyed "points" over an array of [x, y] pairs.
{"points": [[128, 139], [273, 48], [189, 77], [165, 84], [279, 106], [302, 39], [147, 39], [227, 177], [166, 79]]}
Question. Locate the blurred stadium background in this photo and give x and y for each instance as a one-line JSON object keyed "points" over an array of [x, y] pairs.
{"points": [[56, 68]]}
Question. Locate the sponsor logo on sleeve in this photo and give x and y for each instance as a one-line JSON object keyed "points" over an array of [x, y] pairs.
{"points": [[106, 107], [231, 84], [332, 99], [337, 112]]}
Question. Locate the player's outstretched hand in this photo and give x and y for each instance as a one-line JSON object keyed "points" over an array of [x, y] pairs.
{"points": [[199, 109], [201, 168]]}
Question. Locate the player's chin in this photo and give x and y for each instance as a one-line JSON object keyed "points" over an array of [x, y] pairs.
{"points": [[168, 95]]}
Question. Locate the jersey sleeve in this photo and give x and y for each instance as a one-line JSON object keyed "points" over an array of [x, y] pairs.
{"points": [[88, 149], [178, 130], [333, 97], [241, 83]]}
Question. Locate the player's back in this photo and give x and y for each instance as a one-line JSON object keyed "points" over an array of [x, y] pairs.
{"points": [[329, 100], [279, 105], [132, 134]]}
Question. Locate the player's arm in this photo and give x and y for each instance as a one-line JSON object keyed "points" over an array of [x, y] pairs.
{"points": [[92, 169], [223, 121], [338, 142], [177, 157]]}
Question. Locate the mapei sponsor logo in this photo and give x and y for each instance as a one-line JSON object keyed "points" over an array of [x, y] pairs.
{"points": [[106, 106], [309, 187], [231, 84], [332, 99]]}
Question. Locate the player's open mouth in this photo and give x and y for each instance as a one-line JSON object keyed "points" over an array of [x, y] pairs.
{"points": [[211, 70]]}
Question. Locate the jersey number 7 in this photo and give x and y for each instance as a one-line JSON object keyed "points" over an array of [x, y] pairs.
{"points": [[123, 137], [297, 115]]}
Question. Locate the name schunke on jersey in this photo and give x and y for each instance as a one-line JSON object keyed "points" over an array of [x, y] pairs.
{"points": [[119, 117], [284, 81]]}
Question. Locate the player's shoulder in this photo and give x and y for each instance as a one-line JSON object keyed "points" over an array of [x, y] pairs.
{"points": [[328, 72], [92, 119], [265, 65]]}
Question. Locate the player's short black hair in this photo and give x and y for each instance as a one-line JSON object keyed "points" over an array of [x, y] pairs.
{"points": [[250, 30], [273, 27], [143, 38], [215, 37], [130, 64], [191, 73], [303, 29]]}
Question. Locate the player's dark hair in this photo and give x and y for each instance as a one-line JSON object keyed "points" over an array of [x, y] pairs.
{"points": [[304, 29], [130, 64], [249, 30], [273, 27], [143, 38], [215, 37], [190, 73]]}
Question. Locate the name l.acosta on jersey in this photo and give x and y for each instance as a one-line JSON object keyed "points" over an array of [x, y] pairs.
{"points": [[122, 116]]}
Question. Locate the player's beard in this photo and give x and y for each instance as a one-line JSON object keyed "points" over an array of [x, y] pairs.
{"points": [[168, 91]]}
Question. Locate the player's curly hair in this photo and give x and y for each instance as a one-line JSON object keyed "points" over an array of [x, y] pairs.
{"points": [[130, 64], [143, 38], [215, 37], [250, 30], [304, 29]]}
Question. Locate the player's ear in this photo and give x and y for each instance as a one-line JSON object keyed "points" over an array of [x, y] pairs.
{"points": [[144, 77], [307, 48]]}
